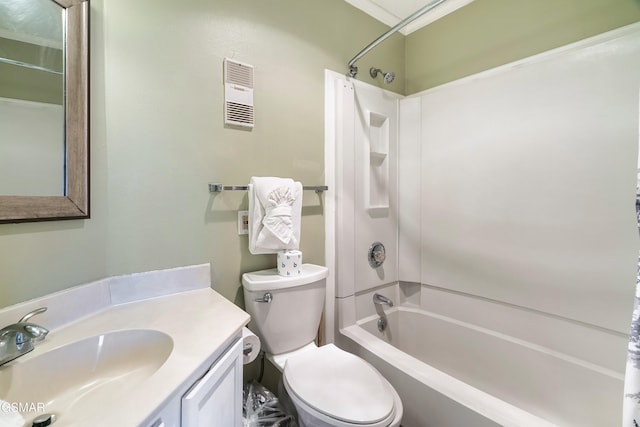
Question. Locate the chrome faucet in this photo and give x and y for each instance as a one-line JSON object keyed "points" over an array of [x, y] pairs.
{"points": [[381, 299], [17, 339]]}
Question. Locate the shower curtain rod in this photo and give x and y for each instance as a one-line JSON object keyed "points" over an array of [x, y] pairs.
{"points": [[353, 70]]}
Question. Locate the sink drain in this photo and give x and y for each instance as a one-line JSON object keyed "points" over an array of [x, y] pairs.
{"points": [[43, 420]]}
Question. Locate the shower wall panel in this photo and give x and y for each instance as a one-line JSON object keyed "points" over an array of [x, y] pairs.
{"points": [[528, 176], [362, 129], [375, 196]]}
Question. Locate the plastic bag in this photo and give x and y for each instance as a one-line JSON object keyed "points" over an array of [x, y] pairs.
{"points": [[261, 408]]}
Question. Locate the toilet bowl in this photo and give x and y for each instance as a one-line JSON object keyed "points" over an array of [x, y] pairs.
{"points": [[331, 387], [328, 387]]}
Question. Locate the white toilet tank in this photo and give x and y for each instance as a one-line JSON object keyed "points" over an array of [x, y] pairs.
{"points": [[285, 311]]}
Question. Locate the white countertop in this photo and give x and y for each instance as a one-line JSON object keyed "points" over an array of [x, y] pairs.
{"points": [[201, 323]]}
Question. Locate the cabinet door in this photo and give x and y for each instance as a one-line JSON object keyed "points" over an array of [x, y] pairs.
{"points": [[216, 400], [169, 416]]}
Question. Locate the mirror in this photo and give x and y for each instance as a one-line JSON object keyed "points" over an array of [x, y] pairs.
{"points": [[31, 98], [44, 142]]}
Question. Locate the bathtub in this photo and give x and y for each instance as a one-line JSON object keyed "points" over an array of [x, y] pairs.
{"points": [[453, 374]]}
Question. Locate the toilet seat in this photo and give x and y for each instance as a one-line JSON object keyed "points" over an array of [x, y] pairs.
{"points": [[339, 388]]}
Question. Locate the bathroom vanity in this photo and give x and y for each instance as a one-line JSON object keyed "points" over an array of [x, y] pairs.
{"points": [[155, 349]]}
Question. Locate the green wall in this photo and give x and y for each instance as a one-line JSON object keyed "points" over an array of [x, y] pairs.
{"points": [[157, 137], [488, 33]]}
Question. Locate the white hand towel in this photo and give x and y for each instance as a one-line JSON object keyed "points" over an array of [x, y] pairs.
{"points": [[9, 417], [275, 209]]}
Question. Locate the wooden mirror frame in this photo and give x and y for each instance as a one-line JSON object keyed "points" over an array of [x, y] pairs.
{"points": [[74, 204]]}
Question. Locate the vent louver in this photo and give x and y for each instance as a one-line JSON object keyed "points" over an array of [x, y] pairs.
{"points": [[239, 113], [238, 94]]}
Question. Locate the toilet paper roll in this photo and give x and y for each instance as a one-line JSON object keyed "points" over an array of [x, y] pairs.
{"points": [[289, 262], [250, 346]]}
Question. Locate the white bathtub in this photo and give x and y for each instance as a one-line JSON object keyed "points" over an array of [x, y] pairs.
{"points": [[454, 374]]}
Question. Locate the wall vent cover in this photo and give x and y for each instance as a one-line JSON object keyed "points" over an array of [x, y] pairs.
{"points": [[238, 93]]}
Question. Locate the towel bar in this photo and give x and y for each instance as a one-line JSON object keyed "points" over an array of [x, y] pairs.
{"points": [[218, 188]]}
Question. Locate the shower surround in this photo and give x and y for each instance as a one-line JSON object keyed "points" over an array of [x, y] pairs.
{"points": [[506, 204]]}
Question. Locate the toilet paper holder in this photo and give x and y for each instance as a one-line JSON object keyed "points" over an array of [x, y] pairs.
{"points": [[247, 349], [250, 346]]}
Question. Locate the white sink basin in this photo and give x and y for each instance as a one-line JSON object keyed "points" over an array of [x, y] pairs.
{"points": [[75, 381]]}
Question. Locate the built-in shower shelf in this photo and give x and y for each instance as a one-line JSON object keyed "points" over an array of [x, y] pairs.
{"points": [[378, 181], [377, 157], [378, 208]]}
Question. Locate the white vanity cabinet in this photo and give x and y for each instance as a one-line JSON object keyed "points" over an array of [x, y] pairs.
{"points": [[185, 364], [216, 399], [213, 400], [169, 416]]}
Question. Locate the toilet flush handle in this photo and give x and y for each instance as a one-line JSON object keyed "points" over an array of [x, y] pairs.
{"points": [[267, 297]]}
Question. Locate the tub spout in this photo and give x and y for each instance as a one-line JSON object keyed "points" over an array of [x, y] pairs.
{"points": [[380, 300]]}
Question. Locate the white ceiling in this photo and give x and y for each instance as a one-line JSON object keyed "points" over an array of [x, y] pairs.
{"points": [[391, 12]]}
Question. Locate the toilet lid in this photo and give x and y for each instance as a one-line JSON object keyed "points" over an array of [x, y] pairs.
{"points": [[340, 385]]}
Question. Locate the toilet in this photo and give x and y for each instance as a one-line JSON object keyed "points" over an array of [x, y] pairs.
{"points": [[328, 387]]}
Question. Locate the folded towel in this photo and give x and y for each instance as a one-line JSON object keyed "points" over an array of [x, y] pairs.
{"points": [[275, 209], [9, 416]]}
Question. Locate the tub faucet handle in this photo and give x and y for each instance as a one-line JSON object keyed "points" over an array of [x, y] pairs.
{"points": [[377, 255], [381, 299]]}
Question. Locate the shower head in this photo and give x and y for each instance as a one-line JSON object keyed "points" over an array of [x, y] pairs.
{"points": [[388, 77]]}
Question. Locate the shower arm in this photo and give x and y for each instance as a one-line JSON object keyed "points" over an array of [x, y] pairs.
{"points": [[353, 70]]}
